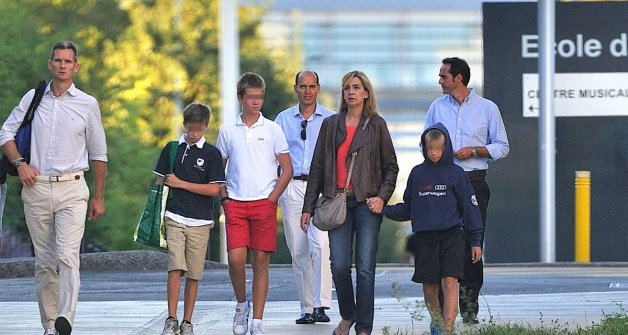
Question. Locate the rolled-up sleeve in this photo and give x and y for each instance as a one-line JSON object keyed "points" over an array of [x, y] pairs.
{"points": [[497, 146], [14, 121], [96, 139]]}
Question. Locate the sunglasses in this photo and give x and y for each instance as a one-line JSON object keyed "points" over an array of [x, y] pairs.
{"points": [[303, 126]]}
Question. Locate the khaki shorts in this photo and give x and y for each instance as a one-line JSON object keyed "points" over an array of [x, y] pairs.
{"points": [[187, 247]]}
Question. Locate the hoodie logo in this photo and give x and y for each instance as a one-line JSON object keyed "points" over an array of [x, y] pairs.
{"points": [[440, 187]]}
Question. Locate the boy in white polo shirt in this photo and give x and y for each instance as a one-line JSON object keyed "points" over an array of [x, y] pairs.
{"points": [[252, 148]]}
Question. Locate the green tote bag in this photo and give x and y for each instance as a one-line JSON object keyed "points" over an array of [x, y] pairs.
{"points": [[151, 229]]}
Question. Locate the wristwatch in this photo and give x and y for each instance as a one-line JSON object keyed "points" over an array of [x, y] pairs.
{"points": [[18, 162], [474, 152]]}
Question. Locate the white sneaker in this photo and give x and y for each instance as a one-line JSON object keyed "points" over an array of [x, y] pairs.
{"points": [[241, 319], [171, 327], [257, 329], [186, 328], [50, 331]]}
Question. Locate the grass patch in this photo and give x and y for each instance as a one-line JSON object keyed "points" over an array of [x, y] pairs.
{"points": [[611, 324], [615, 324]]}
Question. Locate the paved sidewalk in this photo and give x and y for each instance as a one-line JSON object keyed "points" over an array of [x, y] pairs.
{"points": [[147, 317]]}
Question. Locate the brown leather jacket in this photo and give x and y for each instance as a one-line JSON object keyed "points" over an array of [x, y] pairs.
{"points": [[374, 171]]}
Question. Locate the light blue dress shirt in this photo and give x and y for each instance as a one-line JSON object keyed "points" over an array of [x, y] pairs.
{"points": [[476, 122], [301, 151]]}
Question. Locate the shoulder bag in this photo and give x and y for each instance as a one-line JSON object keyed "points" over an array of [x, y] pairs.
{"points": [[330, 213], [151, 229], [23, 135]]}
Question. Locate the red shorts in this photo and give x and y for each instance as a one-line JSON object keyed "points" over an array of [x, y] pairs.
{"points": [[251, 224]]}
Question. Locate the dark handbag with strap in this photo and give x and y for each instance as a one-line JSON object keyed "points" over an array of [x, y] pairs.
{"points": [[23, 135], [151, 230]]}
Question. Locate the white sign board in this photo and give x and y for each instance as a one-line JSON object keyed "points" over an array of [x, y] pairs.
{"points": [[580, 94]]}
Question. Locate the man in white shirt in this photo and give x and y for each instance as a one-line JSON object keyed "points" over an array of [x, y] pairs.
{"points": [[67, 135], [310, 251]]}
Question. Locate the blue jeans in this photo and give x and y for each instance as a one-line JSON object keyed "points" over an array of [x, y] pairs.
{"points": [[361, 221]]}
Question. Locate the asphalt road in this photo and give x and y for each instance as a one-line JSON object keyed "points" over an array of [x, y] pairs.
{"points": [[215, 286]]}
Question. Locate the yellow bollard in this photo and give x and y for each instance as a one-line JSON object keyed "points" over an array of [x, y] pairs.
{"points": [[583, 216]]}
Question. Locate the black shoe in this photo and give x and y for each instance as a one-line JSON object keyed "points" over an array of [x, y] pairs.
{"points": [[319, 315], [63, 326], [470, 319], [305, 319]]}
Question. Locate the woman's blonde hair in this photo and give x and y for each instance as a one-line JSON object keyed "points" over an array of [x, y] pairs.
{"points": [[370, 104]]}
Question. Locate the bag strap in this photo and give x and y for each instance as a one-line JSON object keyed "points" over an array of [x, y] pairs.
{"points": [[355, 153], [174, 145], [39, 93]]}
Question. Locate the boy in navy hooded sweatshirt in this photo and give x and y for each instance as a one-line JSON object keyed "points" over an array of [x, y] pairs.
{"points": [[440, 203]]}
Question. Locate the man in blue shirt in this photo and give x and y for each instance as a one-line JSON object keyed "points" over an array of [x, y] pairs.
{"points": [[310, 251], [478, 137]]}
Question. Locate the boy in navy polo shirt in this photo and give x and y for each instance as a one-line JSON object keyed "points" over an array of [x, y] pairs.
{"points": [[197, 176], [440, 203]]}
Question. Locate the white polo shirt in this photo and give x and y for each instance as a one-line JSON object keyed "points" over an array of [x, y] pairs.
{"points": [[251, 154]]}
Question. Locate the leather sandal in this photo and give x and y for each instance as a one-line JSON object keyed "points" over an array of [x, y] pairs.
{"points": [[334, 332]]}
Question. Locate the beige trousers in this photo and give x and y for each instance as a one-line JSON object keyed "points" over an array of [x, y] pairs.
{"points": [[55, 215], [310, 252]]}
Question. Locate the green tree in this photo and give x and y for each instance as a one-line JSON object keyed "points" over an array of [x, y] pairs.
{"points": [[143, 61]]}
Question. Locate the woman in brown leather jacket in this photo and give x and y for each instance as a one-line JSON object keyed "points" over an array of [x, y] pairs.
{"points": [[356, 128]]}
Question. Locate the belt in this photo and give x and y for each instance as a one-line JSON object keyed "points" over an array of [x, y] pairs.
{"points": [[65, 177], [349, 191], [301, 177], [476, 175]]}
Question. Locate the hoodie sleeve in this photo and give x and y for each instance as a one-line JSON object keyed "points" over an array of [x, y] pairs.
{"points": [[401, 211], [470, 212]]}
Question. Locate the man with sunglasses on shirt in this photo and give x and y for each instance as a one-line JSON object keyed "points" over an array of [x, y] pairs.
{"points": [[310, 251]]}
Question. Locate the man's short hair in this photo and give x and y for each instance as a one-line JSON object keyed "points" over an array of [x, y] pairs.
{"points": [[459, 66], [250, 80], [296, 78], [63, 45], [196, 113]]}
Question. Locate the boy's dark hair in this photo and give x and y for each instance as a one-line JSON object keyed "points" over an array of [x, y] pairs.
{"points": [[196, 113], [62, 45], [459, 66], [433, 135], [250, 79]]}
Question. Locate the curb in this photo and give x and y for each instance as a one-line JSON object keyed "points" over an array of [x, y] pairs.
{"points": [[146, 260], [135, 260]]}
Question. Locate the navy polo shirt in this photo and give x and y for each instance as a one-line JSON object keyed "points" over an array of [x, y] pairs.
{"points": [[200, 163]]}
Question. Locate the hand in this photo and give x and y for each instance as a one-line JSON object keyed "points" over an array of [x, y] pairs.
{"points": [[272, 198], [96, 209], [28, 175], [476, 254], [375, 204], [173, 181], [305, 221], [463, 153]]}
